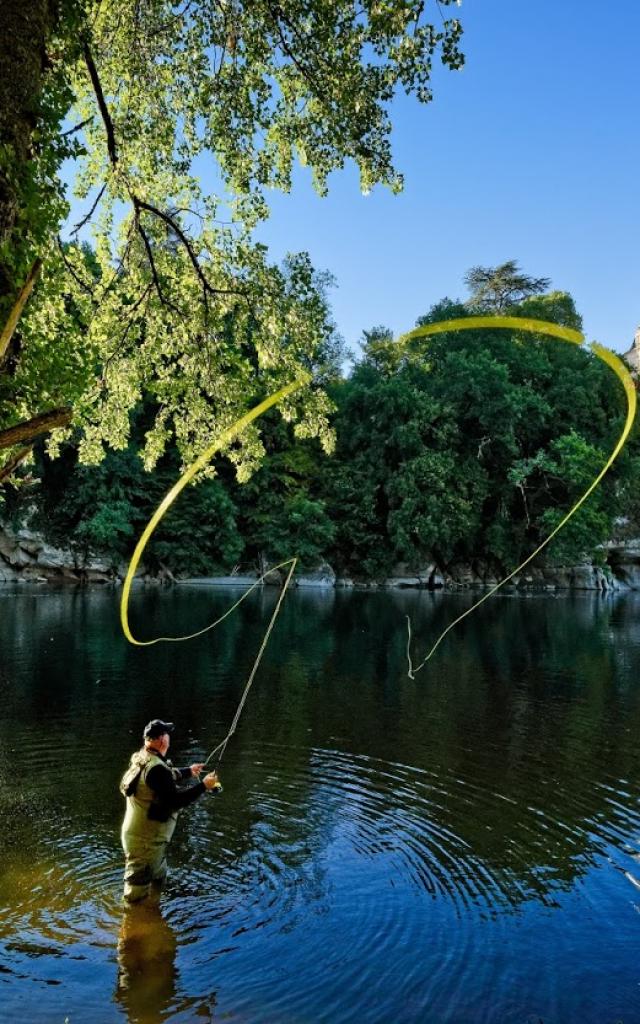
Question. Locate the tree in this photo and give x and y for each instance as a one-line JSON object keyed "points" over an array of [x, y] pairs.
{"points": [[466, 447], [393, 436], [103, 508], [564, 471], [184, 307], [495, 289], [470, 446], [280, 510]]}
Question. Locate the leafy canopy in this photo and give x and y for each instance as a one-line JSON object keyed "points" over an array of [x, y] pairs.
{"points": [[463, 448], [187, 113], [470, 447]]}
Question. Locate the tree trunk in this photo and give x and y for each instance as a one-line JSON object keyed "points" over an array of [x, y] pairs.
{"points": [[26, 26]]}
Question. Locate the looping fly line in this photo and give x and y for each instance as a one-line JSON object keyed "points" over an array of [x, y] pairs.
{"points": [[565, 334], [538, 327]]}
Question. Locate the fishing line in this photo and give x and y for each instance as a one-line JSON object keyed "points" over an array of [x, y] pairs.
{"points": [[565, 334], [538, 327], [227, 435], [223, 746]]}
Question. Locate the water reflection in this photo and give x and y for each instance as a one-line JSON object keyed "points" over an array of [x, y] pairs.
{"points": [[147, 973]]}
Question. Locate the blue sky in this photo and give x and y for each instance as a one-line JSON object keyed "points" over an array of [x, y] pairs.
{"points": [[531, 152]]}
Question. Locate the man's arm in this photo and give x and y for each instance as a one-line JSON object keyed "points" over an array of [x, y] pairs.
{"points": [[167, 794]]}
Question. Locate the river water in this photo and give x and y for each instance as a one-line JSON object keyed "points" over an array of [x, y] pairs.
{"points": [[463, 848]]}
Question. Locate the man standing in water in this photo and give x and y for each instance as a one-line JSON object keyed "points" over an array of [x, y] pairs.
{"points": [[153, 803]]}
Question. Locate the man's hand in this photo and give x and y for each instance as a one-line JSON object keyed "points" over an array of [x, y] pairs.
{"points": [[212, 781], [196, 770]]}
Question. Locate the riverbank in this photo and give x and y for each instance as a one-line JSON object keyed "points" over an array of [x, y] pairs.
{"points": [[27, 557]]}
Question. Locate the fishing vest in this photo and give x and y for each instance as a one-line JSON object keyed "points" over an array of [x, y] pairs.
{"points": [[140, 797]]}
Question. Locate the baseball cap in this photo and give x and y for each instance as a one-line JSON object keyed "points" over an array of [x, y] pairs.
{"points": [[156, 727]]}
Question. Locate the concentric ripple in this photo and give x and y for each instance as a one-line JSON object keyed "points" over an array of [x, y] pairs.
{"points": [[463, 848]]}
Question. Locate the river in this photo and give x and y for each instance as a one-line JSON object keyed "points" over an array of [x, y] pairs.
{"points": [[462, 848]]}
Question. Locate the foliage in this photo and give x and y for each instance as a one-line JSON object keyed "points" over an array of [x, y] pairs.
{"points": [[463, 447], [33, 144], [567, 468], [94, 508], [183, 116], [59, 357], [104, 508], [473, 445], [497, 288], [199, 535], [281, 512], [627, 523]]}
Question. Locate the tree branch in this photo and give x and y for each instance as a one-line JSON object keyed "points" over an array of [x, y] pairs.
{"points": [[120, 267], [14, 462], [306, 70], [16, 312], [175, 227], [277, 13], [89, 215], [104, 111], [77, 127], [154, 271], [76, 277], [140, 204], [28, 430]]}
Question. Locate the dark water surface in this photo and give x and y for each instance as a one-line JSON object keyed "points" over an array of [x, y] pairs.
{"points": [[464, 847]]}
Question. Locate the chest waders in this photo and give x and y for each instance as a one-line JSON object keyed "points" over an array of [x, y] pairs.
{"points": [[144, 840]]}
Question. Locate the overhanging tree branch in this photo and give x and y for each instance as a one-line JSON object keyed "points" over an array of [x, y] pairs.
{"points": [[16, 312], [102, 105], [76, 277], [89, 215], [29, 430], [154, 271], [140, 204], [307, 71], [207, 288], [76, 128]]}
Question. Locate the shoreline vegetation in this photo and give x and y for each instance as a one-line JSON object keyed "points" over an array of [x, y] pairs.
{"points": [[452, 459]]}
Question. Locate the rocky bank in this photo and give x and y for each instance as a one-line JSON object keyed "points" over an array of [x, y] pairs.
{"points": [[26, 556]]}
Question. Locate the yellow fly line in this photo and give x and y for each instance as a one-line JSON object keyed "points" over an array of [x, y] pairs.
{"points": [[538, 327], [565, 334], [222, 439]]}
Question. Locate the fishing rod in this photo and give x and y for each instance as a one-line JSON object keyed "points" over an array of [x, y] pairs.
{"points": [[220, 749]]}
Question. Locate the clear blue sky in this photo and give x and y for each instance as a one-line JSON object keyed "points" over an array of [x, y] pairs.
{"points": [[531, 152]]}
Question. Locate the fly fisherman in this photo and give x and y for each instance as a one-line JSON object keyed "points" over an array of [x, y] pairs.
{"points": [[153, 803]]}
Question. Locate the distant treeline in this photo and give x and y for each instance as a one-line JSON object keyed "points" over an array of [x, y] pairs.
{"points": [[460, 448]]}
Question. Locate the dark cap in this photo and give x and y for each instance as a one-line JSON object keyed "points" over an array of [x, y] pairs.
{"points": [[156, 727]]}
